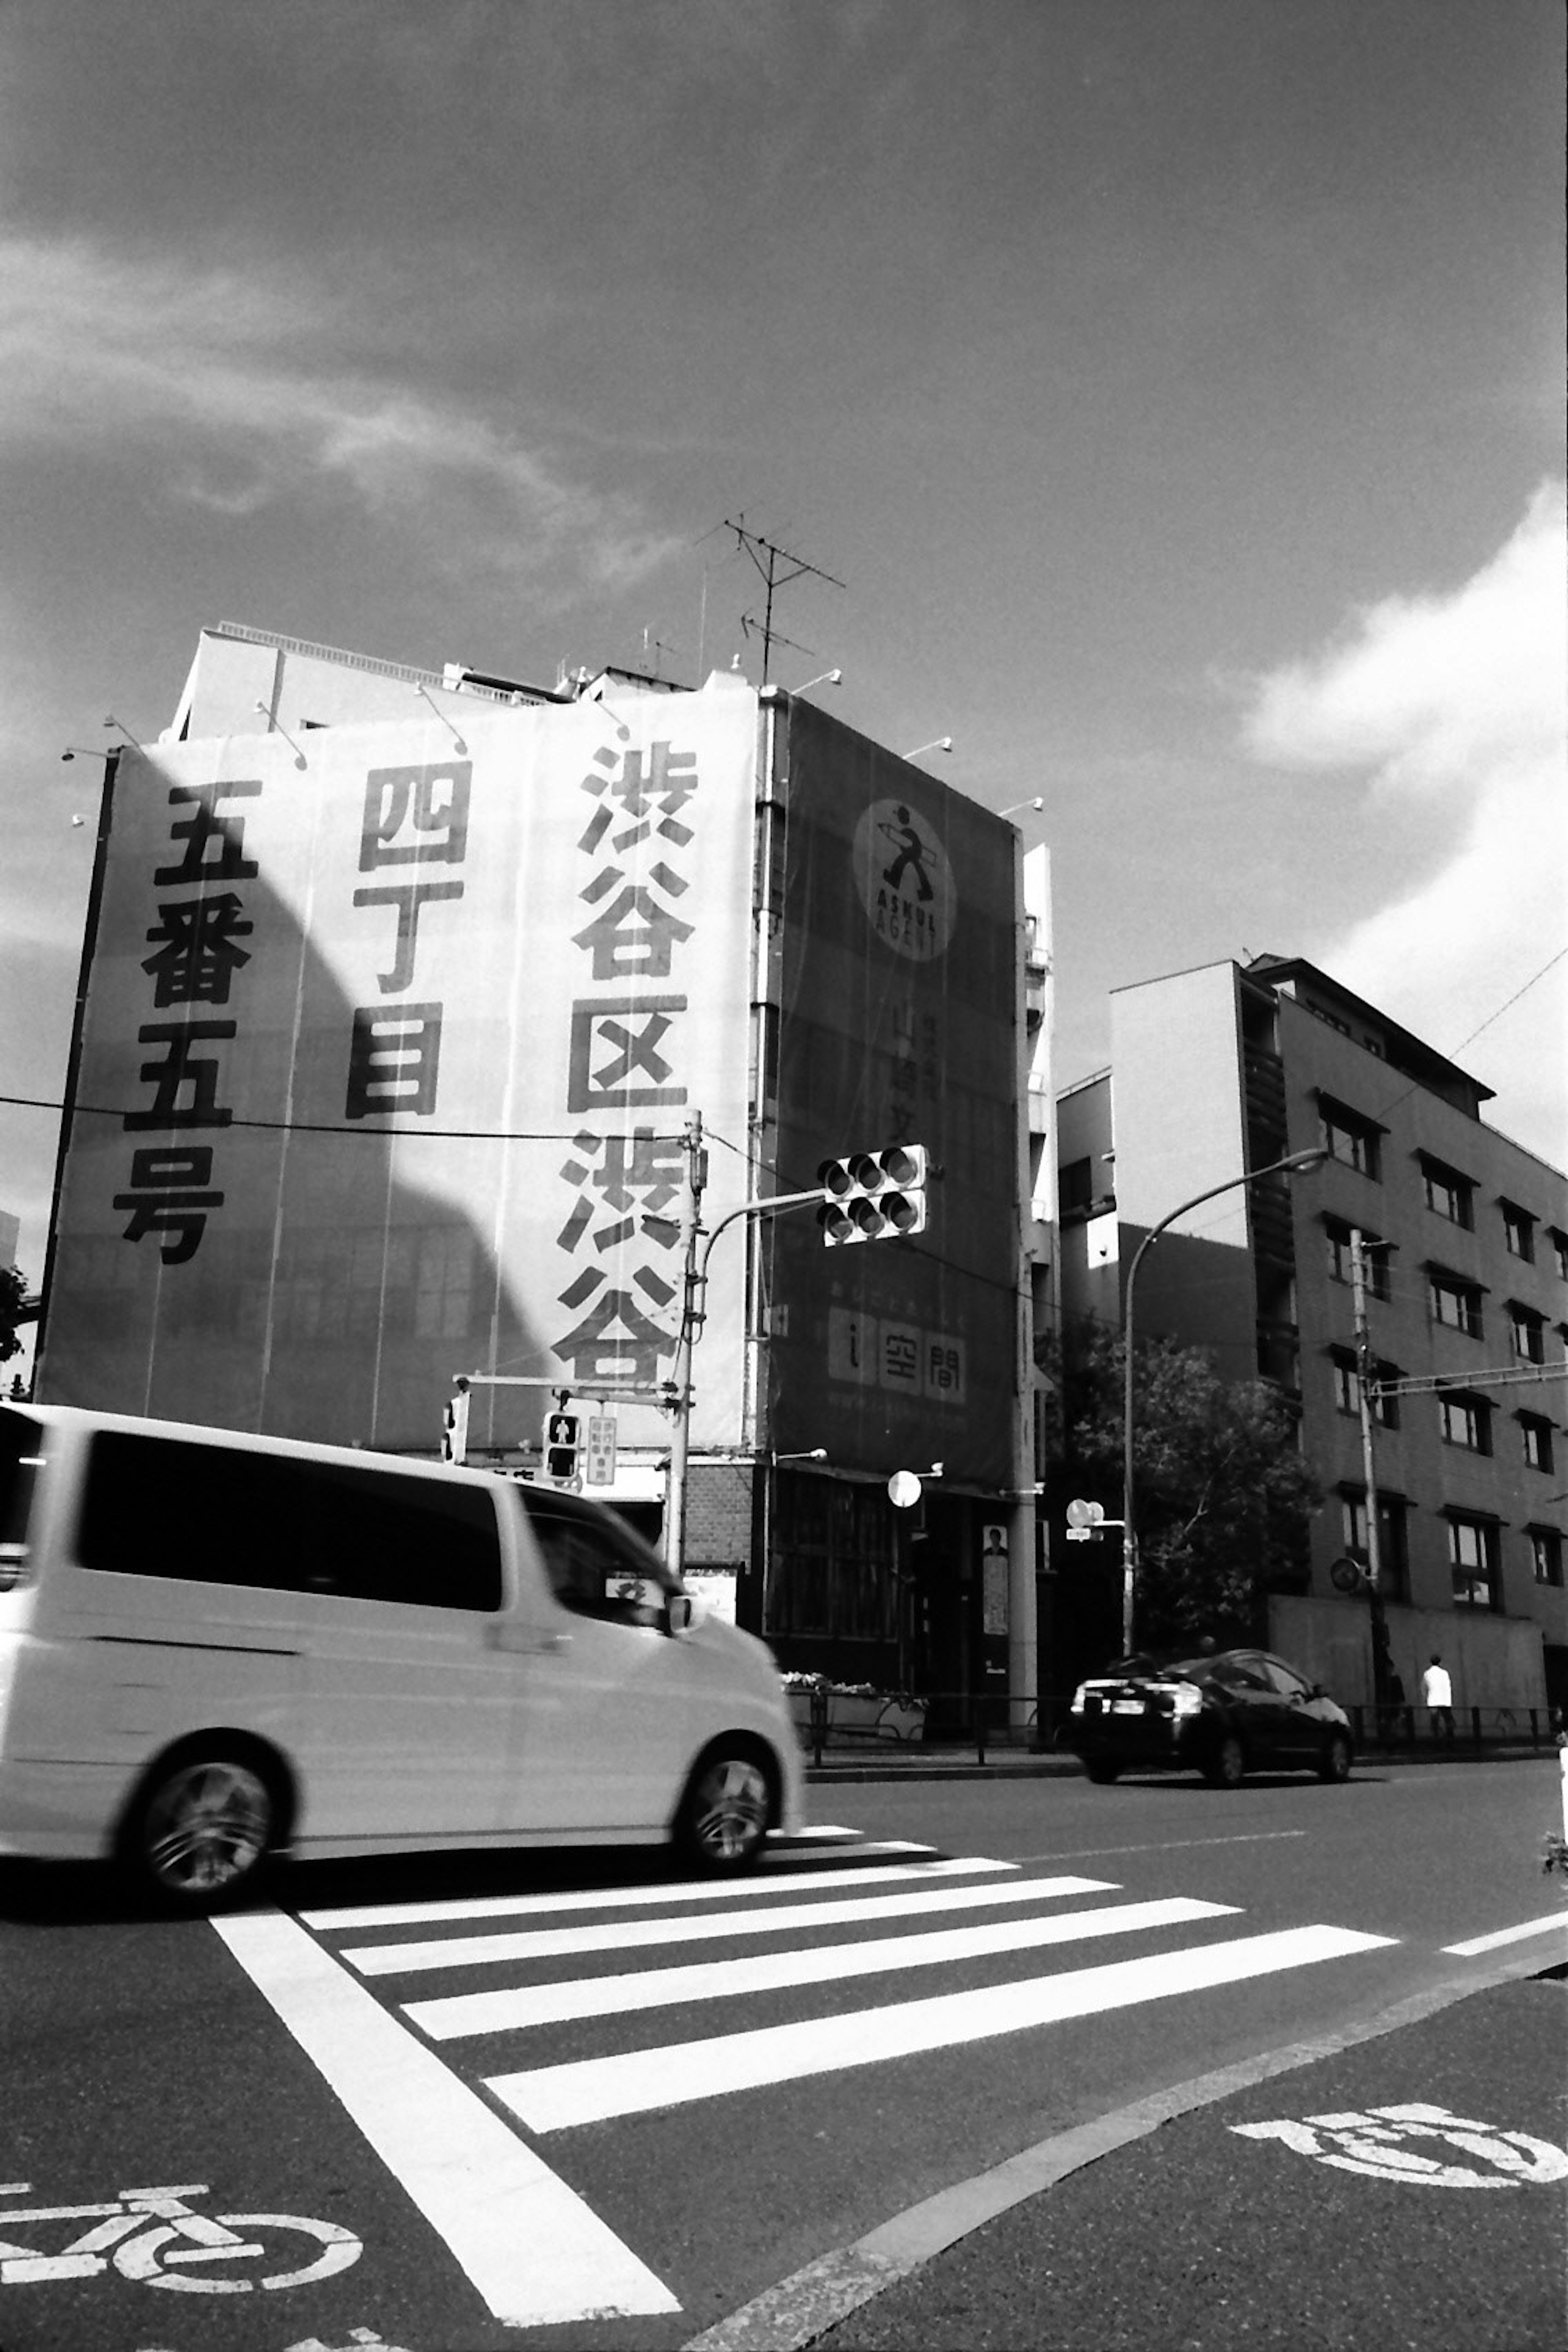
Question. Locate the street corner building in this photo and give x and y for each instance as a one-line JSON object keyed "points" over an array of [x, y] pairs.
{"points": [[404, 996]]}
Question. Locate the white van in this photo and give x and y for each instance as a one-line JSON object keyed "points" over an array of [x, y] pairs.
{"points": [[214, 1645]]}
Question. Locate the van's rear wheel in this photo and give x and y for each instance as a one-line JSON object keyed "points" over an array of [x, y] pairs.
{"points": [[723, 1818], [201, 1829]]}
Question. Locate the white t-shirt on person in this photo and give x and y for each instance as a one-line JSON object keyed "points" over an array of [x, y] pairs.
{"points": [[1435, 1686]]}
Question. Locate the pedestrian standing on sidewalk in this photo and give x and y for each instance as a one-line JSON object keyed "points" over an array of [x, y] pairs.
{"points": [[1438, 1691]]}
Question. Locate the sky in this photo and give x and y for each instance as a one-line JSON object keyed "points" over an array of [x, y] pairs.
{"points": [[1174, 386]]}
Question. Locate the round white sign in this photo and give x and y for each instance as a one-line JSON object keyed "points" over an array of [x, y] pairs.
{"points": [[905, 882], [904, 1489]]}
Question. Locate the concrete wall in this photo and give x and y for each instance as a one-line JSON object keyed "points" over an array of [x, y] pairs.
{"points": [[1494, 1660], [1178, 1116]]}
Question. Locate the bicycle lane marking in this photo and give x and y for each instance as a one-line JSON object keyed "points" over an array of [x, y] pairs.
{"points": [[528, 2245]]}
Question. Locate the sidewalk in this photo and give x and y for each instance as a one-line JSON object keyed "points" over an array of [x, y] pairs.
{"points": [[1274, 2216]]}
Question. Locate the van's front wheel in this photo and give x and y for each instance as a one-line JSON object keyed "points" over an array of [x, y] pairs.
{"points": [[201, 1829], [723, 1819]]}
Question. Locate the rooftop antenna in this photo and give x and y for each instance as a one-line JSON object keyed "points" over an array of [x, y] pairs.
{"points": [[771, 562], [653, 650]]}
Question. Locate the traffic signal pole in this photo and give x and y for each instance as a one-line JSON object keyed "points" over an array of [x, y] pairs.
{"points": [[698, 1248]]}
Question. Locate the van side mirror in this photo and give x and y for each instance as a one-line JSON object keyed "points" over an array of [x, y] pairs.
{"points": [[678, 1612]]}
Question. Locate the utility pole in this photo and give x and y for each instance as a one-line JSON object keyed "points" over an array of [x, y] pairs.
{"points": [[1366, 1385], [694, 1283]]}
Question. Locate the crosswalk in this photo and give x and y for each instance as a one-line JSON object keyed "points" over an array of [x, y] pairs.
{"points": [[575, 2007]]}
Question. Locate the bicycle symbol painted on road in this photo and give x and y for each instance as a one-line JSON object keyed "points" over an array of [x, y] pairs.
{"points": [[148, 2233], [1377, 2143]]}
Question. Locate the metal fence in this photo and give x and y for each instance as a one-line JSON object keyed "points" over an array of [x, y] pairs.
{"points": [[986, 1725]]}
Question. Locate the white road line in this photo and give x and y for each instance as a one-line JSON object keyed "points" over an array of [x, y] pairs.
{"points": [[617, 1899], [631, 1935], [1164, 1845], [554, 2098], [520, 2006], [1509, 1936], [528, 2245]]}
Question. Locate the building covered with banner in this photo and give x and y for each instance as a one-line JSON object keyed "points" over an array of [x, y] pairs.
{"points": [[435, 1026]]}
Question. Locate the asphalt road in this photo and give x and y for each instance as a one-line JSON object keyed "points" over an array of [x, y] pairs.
{"points": [[599, 2108]]}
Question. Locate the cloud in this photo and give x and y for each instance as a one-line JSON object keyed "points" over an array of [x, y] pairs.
{"points": [[236, 382], [1453, 706]]}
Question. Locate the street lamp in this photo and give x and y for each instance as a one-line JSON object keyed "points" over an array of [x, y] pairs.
{"points": [[1037, 804], [1295, 1164], [942, 743], [828, 677]]}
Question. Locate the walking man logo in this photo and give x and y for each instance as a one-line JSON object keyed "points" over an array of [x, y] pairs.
{"points": [[1377, 2143], [905, 881], [911, 851]]}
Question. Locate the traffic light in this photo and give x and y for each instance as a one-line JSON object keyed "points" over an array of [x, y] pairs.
{"points": [[562, 1432], [873, 1196]]}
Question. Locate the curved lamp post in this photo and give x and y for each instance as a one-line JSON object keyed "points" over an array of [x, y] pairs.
{"points": [[1295, 1164]]}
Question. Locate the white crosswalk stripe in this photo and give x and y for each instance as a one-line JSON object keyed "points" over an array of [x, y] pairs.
{"points": [[625, 1936], [808, 1908], [551, 2004]]}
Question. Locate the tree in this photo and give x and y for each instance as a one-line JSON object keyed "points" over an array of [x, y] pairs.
{"points": [[1222, 1494], [13, 1292]]}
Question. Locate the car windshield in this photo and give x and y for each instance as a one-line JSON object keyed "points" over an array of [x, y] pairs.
{"points": [[1142, 1667]]}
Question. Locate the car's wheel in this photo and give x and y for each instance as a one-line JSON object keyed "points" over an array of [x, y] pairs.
{"points": [[1335, 1763], [1226, 1765], [202, 1828], [723, 1818], [1102, 1772]]}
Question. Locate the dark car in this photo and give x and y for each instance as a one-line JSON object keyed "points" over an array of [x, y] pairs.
{"points": [[1223, 1714]]}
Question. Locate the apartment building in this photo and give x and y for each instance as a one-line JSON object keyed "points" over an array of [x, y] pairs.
{"points": [[1463, 1240]]}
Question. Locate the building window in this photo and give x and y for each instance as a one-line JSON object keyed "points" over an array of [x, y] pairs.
{"points": [[1519, 1232], [1546, 1551], [1348, 1136], [1393, 1549], [1473, 1559], [1536, 1433], [1347, 1388], [833, 1567], [1527, 1332], [1075, 1188], [1448, 1194], [1455, 1302], [1467, 1421], [1559, 1242], [1373, 1257]]}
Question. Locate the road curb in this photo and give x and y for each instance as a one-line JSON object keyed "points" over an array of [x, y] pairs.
{"points": [[1068, 1768], [802, 2308]]}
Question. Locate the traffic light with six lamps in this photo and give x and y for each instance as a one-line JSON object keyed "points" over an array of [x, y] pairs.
{"points": [[873, 1196]]}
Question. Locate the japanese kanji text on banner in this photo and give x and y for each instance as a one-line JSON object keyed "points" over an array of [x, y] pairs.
{"points": [[384, 1062]]}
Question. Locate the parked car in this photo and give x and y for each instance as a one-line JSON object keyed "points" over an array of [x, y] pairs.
{"points": [[1223, 1714]]}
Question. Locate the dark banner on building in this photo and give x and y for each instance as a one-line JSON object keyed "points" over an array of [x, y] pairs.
{"points": [[899, 994]]}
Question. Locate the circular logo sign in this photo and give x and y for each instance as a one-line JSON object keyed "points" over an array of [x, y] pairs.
{"points": [[905, 882]]}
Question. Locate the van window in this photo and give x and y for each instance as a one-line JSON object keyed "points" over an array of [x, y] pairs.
{"points": [[381, 1536], [21, 1447], [223, 1515], [593, 1568]]}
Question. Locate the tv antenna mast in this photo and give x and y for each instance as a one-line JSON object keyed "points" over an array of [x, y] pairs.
{"points": [[771, 563]]}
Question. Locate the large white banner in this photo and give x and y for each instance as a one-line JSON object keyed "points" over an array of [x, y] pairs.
{"points": [[389, 1042]]}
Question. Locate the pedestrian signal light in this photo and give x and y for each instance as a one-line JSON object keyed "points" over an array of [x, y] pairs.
{"points": [[873, 1196], [563, 1433]]}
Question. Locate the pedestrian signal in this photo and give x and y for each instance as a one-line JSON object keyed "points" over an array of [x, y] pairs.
{"points": [[562, 1432], [873, 1196]]}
